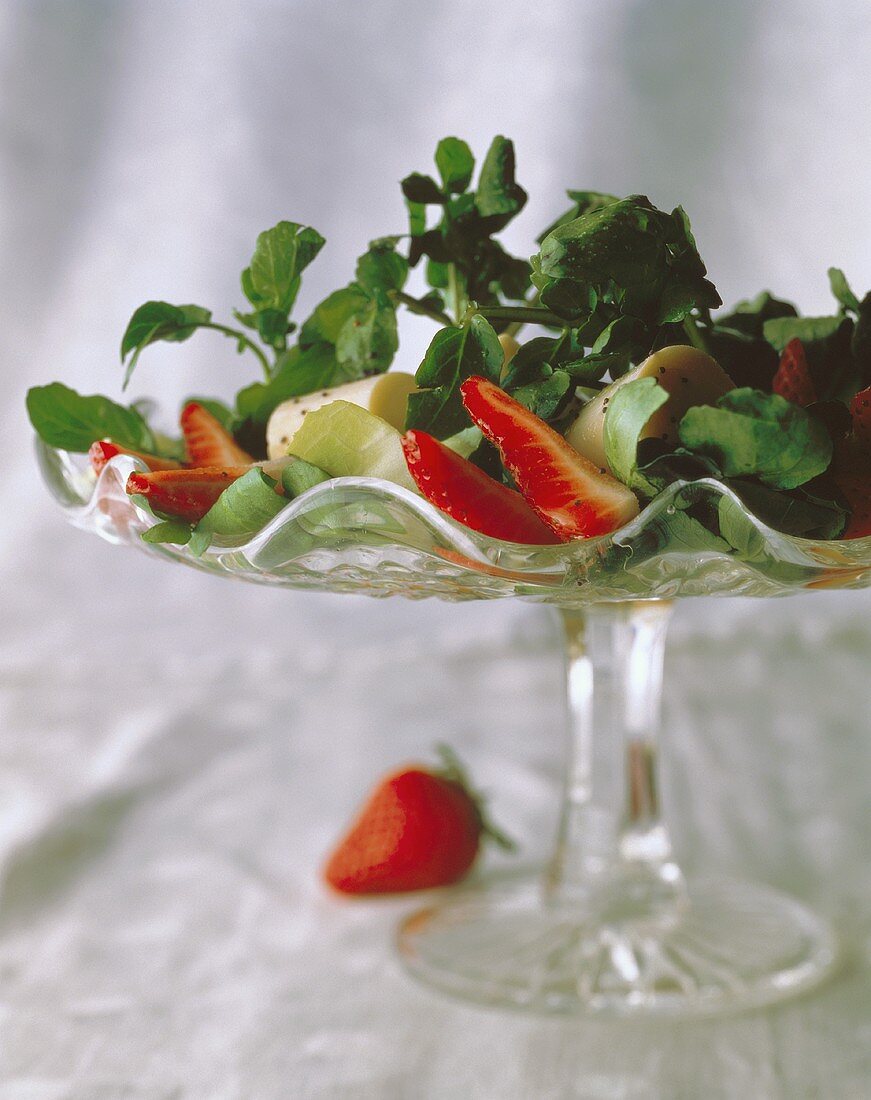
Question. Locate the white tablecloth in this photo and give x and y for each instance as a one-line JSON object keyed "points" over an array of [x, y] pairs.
{"points": [[178, 753], [177, 761]]}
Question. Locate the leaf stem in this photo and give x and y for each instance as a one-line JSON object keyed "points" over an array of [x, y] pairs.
{"points": [[417, 306], [516, 326], [456, 290], [694, 333], [244, 340], [523, 315]]}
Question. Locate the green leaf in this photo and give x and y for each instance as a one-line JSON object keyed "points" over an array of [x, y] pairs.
{"points": [[244, 507], [613, 350], [780, 330], [544, 373], [301, 476], [431, 243], [498, 194], [454, 354], [416, 218], [739, 531], [433, 300], [330, 315], [483, 271], [510, 274], [629, 409], [368, 340], [466, 442], [532, 362], [271, 282], [567, 299], [437, 275], [155, 321], [161, 321], [799, 512], [686, 535], [582, 202], [841, 290], [661, 465], [271, 325], [200, 542], [752, 433], [299, 371], [66, 419], [249, 320], [423, 190], [749, 315], [629, 256], [455, 163], [272, 279], [382, 268], [547, 397], [169, 530]]}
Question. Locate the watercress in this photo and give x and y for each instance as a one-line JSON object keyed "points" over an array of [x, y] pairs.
{"points": [[612, 280]]}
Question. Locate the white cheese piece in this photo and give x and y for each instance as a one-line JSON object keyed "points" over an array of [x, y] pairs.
{"points": [[689, 377], [384, 395], [510, 347]]}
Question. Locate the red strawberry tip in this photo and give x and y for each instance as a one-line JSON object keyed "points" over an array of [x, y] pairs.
{"points": [[860, 415], [792, 380], [452, 770]]}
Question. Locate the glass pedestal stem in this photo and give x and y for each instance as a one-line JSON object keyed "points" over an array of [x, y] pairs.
{"points": [[611, 926], [611, 838]]}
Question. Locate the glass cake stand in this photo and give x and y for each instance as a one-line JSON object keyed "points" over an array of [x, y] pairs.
{"points": [[611, 925]]}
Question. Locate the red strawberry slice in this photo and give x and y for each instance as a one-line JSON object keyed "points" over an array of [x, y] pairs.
{"points": [[184, 494], [860, 412], [572, 496], [101, 451], [207, 441], [793, 378], [418, 829], [467, 494]]}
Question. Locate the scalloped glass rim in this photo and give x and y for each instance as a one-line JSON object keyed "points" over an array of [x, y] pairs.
{"points": [[370, 536]]}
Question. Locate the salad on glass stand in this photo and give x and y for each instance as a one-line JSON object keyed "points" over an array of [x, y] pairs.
{"points": [[637, 445]]}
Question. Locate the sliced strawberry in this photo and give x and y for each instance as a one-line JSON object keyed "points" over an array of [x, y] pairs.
{"points": [[860, 412], [207, 441], [101, 451], [793, 378], [572, 496], [185, 494], [418, 829], [467, 494]]}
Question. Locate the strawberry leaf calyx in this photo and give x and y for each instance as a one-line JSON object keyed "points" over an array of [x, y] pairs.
{"points": [[453, 771]]}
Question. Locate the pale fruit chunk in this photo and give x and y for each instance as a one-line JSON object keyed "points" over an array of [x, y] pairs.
{"points": [[384, 395], [510, 347], [689, 377], [347, 441]]}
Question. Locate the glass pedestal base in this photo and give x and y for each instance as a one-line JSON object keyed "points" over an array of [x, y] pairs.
{"points": [[726, 946]]}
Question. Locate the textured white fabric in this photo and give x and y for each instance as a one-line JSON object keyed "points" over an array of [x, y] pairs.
{"points": [[179, 753]]}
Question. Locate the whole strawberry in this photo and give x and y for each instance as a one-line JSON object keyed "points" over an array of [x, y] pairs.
{"points": [[419, 828]]}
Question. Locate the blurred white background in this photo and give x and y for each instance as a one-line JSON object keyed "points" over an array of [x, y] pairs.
{"points": [[178, 753]]}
